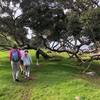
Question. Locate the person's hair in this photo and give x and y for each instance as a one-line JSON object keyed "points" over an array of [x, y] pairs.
{"points": [[26, 51], [19, 48]]}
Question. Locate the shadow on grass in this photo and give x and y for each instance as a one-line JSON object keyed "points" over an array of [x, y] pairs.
{"points": [[51, 72], [50, 75]]}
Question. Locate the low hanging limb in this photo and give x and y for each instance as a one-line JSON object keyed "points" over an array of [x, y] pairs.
{"points": [[87, 67], [94, 57]]}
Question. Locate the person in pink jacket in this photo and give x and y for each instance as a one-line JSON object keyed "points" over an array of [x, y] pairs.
{"points": [[15, 58], [21, 61]]}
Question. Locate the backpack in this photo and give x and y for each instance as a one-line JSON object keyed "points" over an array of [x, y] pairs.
{"points": [[15, 56]]}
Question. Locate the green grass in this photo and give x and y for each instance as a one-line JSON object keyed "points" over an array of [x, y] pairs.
{"points": [[55, 80]]}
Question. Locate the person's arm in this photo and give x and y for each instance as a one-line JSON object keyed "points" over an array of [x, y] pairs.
{"points": [[30, 59], [22, 58]]}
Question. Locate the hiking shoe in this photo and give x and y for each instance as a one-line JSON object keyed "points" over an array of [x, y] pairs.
{"points": [[29, 78], [17, 80]]}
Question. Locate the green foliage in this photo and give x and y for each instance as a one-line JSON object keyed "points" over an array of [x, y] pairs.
{"points": [[74, 25], [82, 17], [91, 22]]}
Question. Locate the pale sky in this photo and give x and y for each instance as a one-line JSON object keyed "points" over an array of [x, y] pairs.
{"points": [[29, 31]]}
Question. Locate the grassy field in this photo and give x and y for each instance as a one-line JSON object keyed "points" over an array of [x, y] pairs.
{"points": [[55, 80]]}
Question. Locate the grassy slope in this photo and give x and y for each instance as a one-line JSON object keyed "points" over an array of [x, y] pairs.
{"points": [[55, 81]]}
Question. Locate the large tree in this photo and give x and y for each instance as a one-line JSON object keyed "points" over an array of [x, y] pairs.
{"points": [[56, 24]]}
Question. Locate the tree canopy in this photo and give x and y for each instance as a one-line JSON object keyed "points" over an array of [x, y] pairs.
{"points": [[59, 25]]}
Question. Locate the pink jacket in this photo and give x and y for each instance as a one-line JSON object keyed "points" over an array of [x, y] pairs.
{"points": [[10, 56]]}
